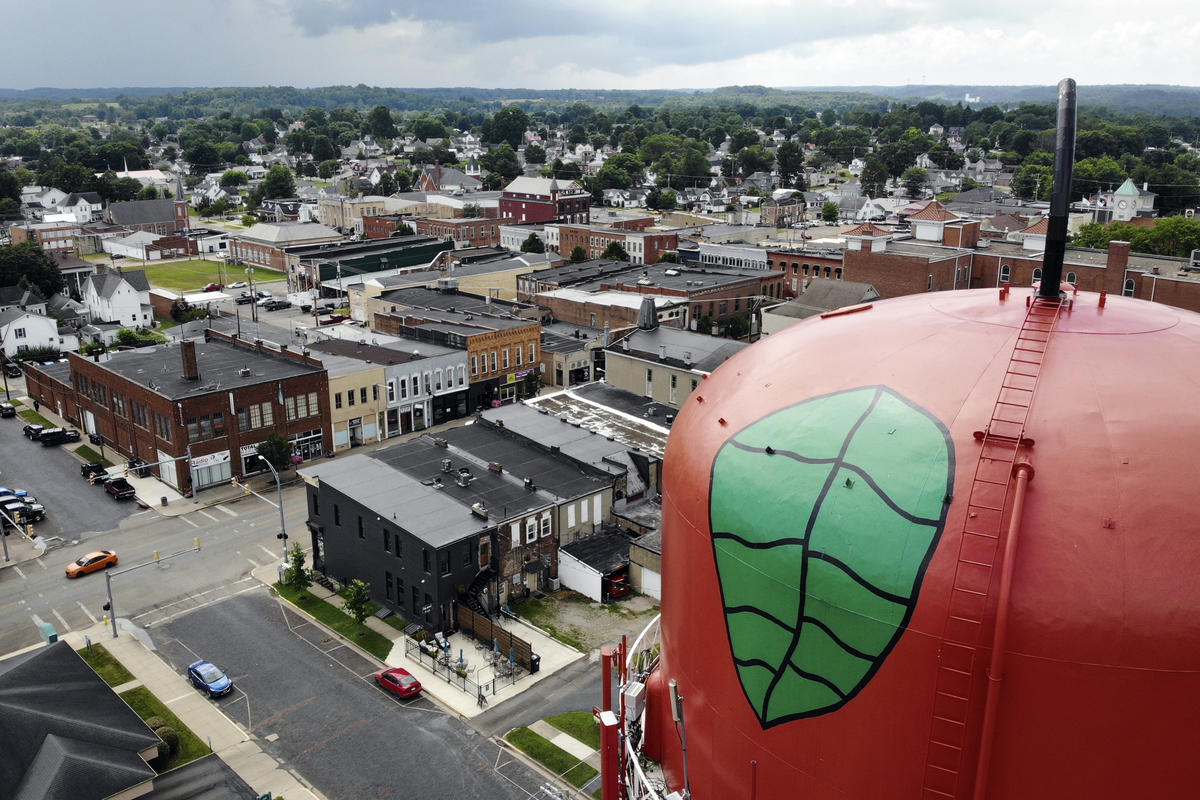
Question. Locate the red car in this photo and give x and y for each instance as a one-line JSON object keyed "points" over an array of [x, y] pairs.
{"points": [[399, 682], [213, 287]]}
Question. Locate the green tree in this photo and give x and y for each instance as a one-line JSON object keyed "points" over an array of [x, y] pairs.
{"points": [[533, 244], [30, 263], [297, 576], [662, 199], [327, 169], [754, 159], [386, 185], [621, 171], [914, 180], [874, 177], [535, 154], [615, 252], [668, 257], [380, 123], [741, 139], [578, 253], [1091, 175], [356, 600], [402, 229], [1033, 182], [506, 125], [829, 211], [276, 450], [147, 193], [234, 177], [790, 158], [501, 160], [945, 157], [278, 183]]}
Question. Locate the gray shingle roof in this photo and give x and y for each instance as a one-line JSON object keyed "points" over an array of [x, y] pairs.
{"points": [[66, 734], [142, 212], [106, 283]]}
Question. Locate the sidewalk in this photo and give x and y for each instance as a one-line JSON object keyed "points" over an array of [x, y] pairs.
{"points": [[555, 655], [206, 720]]}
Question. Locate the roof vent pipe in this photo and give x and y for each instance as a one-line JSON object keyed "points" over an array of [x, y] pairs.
{"points": [[1060, 201]]}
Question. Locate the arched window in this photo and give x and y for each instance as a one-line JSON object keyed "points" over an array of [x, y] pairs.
{"points": [[837, 273], [828, 271], [1071, 279], [1128, 290], [1005, 273], [1037, 273]]}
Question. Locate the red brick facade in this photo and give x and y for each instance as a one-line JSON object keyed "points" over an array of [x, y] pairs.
{"points": [[642, 248], [464, 232], [558, 205]]}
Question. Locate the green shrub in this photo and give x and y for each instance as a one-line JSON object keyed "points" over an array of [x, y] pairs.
{"points": [[170, 736], [154, 723]]}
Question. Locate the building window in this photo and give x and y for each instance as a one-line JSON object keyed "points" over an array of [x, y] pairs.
{"points": [[425, 560], [495, 362], [649, 383], [1037, 273], [362, 395], [694, 384], [387, 584], [444, 562], [724, 308], [401, 599], [546, 524], [350, 397], [1072, 279], [437, 380], [375, 392], [837, 273], [416, 384], [531, 530], [828, 272], [289, 405], [403, 389], [532, 353], [462, 375], [337, 400], [391, 392], [474, 366], [316, 505], [1128, 290], [387, 541], [337, 514], [929, 286], [674, 384], [506, 358], [1005, 273], [360, 528], [18, 333], [428, 383], [519, 356], [268, 414]]}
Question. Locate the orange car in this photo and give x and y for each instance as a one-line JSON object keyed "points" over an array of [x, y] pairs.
{"points": [[100, 559]]}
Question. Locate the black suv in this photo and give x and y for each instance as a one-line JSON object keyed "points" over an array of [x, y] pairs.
{"points": [[7, 410], [12, 370], [33, 431], [56, 436], [276, 305]]}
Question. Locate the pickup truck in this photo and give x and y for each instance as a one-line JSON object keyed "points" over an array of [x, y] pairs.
{"points": [[120, 489], [91, 469]]}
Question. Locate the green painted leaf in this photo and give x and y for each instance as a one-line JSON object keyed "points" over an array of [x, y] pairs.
{"points": [[824, 516]]}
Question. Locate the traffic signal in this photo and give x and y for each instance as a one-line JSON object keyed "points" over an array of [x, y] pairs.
{"points": [[233, 481], [106, 607]]}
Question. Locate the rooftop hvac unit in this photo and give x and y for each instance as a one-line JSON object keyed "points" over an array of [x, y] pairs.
{"points": [[478, 510], [494, 466], [445, 465]]}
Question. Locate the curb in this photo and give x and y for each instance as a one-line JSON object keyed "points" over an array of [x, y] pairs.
{"points": [[538, 767], [334, 634]]}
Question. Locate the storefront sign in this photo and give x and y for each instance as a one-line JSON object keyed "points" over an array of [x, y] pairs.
{"points": [[199, 462], [249, 450]]}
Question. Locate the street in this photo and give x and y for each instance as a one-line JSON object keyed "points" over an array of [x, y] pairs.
{"points": [[310, 701]]}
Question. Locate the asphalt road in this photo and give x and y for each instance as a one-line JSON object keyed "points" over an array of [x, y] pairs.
{"points": [[310, 701], [574, 688], [234, 538], [74, 508]]}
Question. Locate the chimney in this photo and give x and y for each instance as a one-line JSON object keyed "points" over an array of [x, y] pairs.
{"points": [[191, 370], [662, 352], [1118, 258]]}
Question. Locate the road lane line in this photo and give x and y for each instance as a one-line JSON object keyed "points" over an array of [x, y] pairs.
{"points": [[228, 511], [205, 513], [85, 610], [140, 513], [270, 555], [65, 626], [39, 562], [18, 571], [254, 563], [189, 522]]}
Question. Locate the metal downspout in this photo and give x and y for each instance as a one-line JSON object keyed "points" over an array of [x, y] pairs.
{"points": [[1023, 472]]}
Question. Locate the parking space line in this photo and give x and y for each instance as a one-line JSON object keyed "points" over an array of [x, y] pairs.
{"points": [[205, 513], [85, 610], [140, 513], [18, 571], [59, 616], [228, 511], [39, 562], [189, 522], [270, 555], [254, 563]]}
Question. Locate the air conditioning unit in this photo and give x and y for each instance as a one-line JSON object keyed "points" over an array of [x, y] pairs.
{"points": [[555, 584], [479, 510]]}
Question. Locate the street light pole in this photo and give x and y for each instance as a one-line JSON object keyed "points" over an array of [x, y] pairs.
{"points": [[108, 576], [279, 490]]}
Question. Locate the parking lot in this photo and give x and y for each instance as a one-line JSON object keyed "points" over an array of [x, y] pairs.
{"points": [[310, 702], [51, 474]]}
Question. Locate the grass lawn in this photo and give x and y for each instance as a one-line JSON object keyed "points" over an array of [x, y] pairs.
{"points": [[107, 667], [371, 607], [374, 643], [580, 724], [195, 274], [88, 454], [29, 415], [17, 403], [147, 705], [552, 757]]}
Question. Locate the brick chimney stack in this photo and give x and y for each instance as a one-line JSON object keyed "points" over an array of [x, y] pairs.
{"points": [[191, 369]]}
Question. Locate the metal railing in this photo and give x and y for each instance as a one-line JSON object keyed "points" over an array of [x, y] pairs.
{"points": [[457, 672], [642, 659]]}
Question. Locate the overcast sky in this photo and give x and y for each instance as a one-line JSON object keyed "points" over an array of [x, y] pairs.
{"points": [[613, 44]]}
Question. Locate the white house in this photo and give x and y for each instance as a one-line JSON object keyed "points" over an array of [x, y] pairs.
{"points": [[82, 206], [124, 298], [22, 330], [135, 245]]}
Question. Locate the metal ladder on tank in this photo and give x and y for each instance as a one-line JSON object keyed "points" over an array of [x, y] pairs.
{"points": [[978, 550]]}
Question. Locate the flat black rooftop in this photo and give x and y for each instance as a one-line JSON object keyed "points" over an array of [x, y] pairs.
{"points": [[551, 472], [604, 552], [373, 353], [220, 363], [334, 250], [422, 297]]}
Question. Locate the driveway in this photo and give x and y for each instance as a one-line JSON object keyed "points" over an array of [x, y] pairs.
{"points": [[51, 474], [310, 702]]}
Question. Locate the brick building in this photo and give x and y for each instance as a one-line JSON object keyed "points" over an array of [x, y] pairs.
{"points": [[153, 216], [263, 245], [382, 226], [202, 406], [642, 246], [463, 231], [545, 200], [503, 353]]}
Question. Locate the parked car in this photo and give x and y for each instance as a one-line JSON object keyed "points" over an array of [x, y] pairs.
{"points": [[333, 319], [7, 410], [56, 436], [263, 299], [244, 299], [12, 370], [237, 285], [33, 431], [92, 469], [207, 678], [276, 305], [120, 488], [399, 682], [25, 505], [213, 287], [97, 560], [618, 586]]}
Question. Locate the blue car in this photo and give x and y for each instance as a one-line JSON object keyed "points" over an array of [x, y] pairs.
{"points": [[207, 678]]}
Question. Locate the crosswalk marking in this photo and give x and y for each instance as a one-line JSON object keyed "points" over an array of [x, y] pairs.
{"points": [[228, 511], [205, 513], [59, 616], [85, 610], [189, 522], [270, 555]]}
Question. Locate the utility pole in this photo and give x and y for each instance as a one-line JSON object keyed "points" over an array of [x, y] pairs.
{"points": [[110, 607], [279, 491]]}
